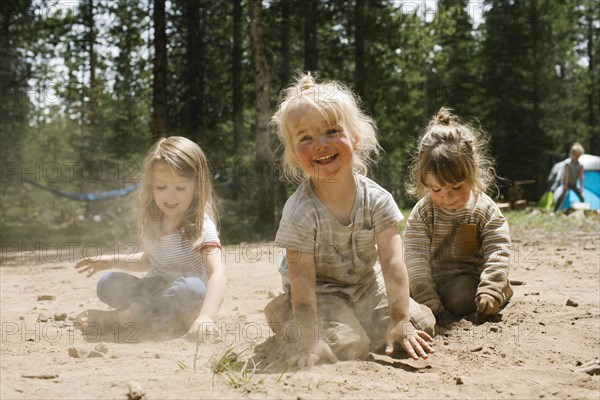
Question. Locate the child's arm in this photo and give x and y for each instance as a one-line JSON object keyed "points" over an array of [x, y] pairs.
{"points": [[302, 272], [215, 291], [415, 343], [495, 245], [581, 177], [137, 262], [417, 242], [566, 176]]}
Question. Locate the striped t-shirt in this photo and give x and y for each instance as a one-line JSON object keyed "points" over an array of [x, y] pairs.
{"points": [[440, 245], [345, 255], [172, 256]]}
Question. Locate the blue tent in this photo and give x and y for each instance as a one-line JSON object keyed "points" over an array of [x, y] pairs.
{"points": [[591, 181]]}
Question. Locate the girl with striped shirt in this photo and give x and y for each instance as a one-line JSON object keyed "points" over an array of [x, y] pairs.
{"points": [[457, 243], [183, 289]]}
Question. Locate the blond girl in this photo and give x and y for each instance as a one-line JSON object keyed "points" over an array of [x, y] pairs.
{"points": [[183, 289], [346, 288]]}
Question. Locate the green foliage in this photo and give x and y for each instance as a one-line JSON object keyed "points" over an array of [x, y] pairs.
{"points": [[528, 71], [236, 373], [543, 225]]}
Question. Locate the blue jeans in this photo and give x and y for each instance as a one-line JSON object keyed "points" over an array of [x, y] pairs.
{"points": [[160, 304], [563, 195]]}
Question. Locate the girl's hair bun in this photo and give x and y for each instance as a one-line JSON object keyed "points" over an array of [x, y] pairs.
{"points": [[306, 82], [446, 117]]}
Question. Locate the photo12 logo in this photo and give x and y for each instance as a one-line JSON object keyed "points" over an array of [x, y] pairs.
{"points": [[68, 172]]}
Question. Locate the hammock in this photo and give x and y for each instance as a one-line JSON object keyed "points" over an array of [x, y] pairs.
{"points": [[89, 197]]}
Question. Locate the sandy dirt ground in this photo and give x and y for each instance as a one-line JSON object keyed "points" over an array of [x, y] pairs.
{"points": [[540, 346]]}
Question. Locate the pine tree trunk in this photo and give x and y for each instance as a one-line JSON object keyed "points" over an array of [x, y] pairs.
{"points": [[359, 47], [91, 39], [159, 89], [592, 118], [281, 190], [238, 94], [194, 70], [310, 35], [263, 141]]}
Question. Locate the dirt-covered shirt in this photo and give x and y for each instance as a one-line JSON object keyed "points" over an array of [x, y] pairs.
{"points": [[345, 255], [173, 256], [440, 245]]}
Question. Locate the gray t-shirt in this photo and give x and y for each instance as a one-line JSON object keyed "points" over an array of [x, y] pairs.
{"points": [[574, 171], [345, 256]]}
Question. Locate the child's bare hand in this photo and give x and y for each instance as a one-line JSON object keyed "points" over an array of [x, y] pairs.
{"points": [[436, 306], [312, 356], [95, 264], [487, 304], [204, 328], [416, 343]]}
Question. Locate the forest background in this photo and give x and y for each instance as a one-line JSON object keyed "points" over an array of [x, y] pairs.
{"points": [[88, 85]]}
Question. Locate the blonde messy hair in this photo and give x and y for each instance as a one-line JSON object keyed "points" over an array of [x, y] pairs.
{"points": [[329, 98], [577, 148], [185, 159], [453, 152]]}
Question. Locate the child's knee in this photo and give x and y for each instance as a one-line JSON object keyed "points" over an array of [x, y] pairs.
{"points": [[458, 295], [190, 287], [104, 287], [351, 346], [461, 304], [423, 319], [279, 311]]}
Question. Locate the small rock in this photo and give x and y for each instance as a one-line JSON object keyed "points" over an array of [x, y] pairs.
{"points": [[235, 308], [591, 368], [478, 348], [157, 355], [95, 354], [515, 282], [102, 348], [458, 380], [43, 317], [493, 329], [535, 293], [46, 297], [572, 303], [135, 391], [21, 318], [78, 352], [60, 316]]}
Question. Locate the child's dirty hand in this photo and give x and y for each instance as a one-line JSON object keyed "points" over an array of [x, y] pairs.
{"points": [[312, 356], [204, 328], [487, 304], [91, 265], [416, 343]]}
